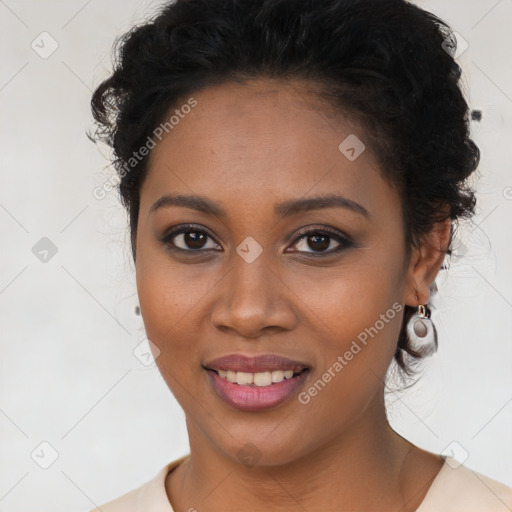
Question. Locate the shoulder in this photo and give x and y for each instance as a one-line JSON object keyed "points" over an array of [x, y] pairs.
{"points": [[458, 488], [150, 496]]}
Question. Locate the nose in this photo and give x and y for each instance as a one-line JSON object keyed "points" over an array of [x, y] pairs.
{"points": [[253, 300]]}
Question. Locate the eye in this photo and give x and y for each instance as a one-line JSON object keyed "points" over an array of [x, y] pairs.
{"points": [[321, 241], [318, 241], [189, 239]]}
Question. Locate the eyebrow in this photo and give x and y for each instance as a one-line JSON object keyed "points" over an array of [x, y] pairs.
{"points": [[285, 209]]}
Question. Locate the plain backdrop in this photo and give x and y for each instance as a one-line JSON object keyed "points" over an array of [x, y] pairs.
{"points": [[74, 397]]}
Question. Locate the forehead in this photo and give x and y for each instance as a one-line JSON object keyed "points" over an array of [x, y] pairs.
{"points": [[265, 139]]}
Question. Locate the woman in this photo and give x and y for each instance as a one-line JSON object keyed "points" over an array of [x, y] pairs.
{"points": [[293, 171]]}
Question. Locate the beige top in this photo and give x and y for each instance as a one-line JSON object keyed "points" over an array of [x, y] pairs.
{"points": [[456, 488]]}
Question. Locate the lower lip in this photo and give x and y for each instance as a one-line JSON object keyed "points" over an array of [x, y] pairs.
{"points": [[255, 398]]}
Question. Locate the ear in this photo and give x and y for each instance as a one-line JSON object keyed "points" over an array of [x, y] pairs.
{"points": [[425, 261]]}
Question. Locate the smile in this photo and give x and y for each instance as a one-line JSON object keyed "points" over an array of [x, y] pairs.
{"points": [[255, 383], [260, 379]]}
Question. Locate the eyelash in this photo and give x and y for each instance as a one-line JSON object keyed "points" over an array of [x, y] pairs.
{"points": [[344, 241]]}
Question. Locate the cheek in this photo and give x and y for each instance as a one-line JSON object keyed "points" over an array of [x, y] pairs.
{"points": [[167, 298], [358, 346], [169, 292], [358, 314], [168, 302], [348, 300]]}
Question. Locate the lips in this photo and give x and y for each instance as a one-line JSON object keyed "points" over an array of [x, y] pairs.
{"points": [[255, 383], [255, 364]]}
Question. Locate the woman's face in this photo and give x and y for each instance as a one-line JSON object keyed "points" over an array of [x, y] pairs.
{"points": [[269, 269]]}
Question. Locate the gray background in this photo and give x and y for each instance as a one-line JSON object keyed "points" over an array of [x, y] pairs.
{"points": [[68, 373]]}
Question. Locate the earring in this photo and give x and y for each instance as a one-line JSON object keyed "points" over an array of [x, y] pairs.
{"points": [[422, 332]]}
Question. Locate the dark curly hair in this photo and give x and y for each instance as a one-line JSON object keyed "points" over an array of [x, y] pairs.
{"points": [[386, 63]]}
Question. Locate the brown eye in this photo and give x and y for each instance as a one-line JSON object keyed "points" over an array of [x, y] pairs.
{"points": [[190, 239], [321, 242], [318, 242], [194, 239]]}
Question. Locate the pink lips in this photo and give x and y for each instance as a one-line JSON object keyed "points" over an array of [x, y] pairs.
{"points": [[254, 398], [253, 364]]}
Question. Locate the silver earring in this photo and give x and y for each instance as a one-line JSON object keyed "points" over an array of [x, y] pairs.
{"points": [[422, 332]]}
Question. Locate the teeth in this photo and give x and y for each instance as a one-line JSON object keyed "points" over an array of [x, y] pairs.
{"points": [[231, 377], [263, 379], [258, 379], [244, 379], [277, 376]]}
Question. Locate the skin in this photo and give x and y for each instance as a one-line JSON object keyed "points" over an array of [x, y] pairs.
{"points": [[248, 147]]}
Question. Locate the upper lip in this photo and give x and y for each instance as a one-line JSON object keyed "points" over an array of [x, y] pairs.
{"points": [[254, 364]]}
